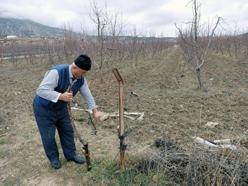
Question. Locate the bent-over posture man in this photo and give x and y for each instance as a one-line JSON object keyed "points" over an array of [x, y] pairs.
{"points": [[51, 111]]}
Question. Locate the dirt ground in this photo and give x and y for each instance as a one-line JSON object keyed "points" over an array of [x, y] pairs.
{"points": [[167, 94]]}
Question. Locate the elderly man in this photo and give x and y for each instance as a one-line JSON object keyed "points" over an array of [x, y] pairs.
{"points": [[51, 112]]}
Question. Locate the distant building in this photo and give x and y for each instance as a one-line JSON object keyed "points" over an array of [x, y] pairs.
{"points": [[11, 37]]}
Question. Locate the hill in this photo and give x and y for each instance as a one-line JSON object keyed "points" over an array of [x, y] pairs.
{"points": [[27, 28]]}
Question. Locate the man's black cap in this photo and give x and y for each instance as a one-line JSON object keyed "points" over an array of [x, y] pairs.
{"points": [[83, 61]]}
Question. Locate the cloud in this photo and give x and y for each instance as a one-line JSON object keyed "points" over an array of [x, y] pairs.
{"points": [[154, 16]]}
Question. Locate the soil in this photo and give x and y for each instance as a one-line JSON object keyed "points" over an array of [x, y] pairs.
{"points": [[166, 91]]}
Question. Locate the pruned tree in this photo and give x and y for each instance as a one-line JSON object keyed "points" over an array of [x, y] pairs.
{"points": [[114, 31], [195, 43], [109, 27], [100, 18], [244, 40]]}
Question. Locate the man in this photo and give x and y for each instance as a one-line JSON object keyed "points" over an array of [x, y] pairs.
{"points": [[51, 111]]}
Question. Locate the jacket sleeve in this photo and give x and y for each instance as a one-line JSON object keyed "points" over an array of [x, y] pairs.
{"points": [[85, 92], [47, 86]]}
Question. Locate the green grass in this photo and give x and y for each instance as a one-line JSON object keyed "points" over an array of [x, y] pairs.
{"points": [[107, 172], [4, 152], [9, 182], [4, 141]]}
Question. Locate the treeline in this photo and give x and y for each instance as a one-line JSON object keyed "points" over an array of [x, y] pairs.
{"points": [[111, 48]]}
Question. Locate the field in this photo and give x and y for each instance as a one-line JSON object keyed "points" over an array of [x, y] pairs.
{"points": [[175, 111]]}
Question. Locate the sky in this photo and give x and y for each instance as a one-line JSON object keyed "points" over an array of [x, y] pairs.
{"points": [[141, 17]]}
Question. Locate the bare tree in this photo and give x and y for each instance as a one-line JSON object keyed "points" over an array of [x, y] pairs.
{"points": [[194, 46], [115, 29], [100, 17], [244, 40]]}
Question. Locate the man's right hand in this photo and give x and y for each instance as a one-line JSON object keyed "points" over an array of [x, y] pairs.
{"points": [[67, 96]]}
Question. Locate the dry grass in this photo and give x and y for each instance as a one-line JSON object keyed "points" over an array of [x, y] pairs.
{"points": [[174, 110]]}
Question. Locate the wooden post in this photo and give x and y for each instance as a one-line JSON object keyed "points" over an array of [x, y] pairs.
{"points": [[121, 129]]}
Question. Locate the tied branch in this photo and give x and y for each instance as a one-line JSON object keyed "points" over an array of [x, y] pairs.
{"points": [[85, 146]]}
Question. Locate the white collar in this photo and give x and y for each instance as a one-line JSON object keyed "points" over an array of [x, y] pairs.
{"points": [[70, 73]]}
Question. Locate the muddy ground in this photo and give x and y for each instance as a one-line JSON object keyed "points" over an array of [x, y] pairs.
{"points": [[167, 94]]}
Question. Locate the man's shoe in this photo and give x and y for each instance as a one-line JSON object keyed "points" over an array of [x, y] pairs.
{"points": [[55, 164], [78, 159]]}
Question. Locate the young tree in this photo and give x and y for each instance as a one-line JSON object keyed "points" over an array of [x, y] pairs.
{"points": [[194, 46], [108, 27], [100, 17]]}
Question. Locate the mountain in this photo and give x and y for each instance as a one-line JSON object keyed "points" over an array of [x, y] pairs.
{"points": [[27, 28], [245, 34]]}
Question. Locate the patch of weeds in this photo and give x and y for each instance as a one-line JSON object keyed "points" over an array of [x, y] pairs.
{"points": [[101, 172], [105, 168], [4, 141], [127, 177], [4, 153], [95, 164], [107, 172], [9, 182], [110, 169], [142, 179]]}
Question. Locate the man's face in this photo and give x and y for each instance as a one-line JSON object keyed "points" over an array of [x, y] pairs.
{"points": [[78, 72]]}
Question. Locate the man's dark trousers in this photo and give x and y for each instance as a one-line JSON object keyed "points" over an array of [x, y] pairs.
{"points": [[48, 120]]}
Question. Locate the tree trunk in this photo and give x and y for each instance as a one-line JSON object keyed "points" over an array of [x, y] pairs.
{"points": [[198, 74]]}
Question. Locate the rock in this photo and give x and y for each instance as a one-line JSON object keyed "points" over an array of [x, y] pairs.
{"points": [[211, 124]]}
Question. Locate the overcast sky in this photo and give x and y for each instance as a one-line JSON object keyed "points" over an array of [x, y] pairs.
{"points": [[149, 17]]}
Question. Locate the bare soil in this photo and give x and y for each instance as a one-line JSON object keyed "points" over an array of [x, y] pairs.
{"points": [[167, 93]]}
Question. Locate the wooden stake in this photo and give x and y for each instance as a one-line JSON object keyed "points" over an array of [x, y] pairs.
{"points": [[121, 128]]}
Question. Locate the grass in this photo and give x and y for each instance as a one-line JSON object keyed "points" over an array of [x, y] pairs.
{"points": [[9, 182], [4, 141], [4, 152], [107, 172]]}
